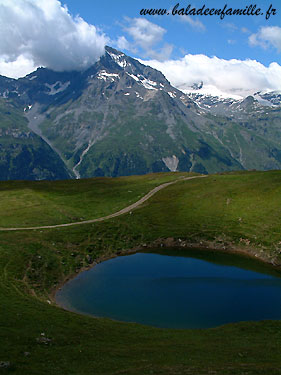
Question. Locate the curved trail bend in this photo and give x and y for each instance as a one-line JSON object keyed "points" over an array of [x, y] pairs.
{"points": [[118, 213]]}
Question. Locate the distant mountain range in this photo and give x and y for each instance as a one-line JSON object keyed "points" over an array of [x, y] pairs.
{"points": [[120, 117]]}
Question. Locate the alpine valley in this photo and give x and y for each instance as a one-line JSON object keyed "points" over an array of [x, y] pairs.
{"points": [[120, 117]]}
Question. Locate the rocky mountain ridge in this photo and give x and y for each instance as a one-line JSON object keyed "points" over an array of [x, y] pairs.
{"points": [[120, 117]]}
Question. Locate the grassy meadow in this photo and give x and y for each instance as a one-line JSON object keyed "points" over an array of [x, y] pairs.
{"points": [[35, 203], [233, 210]]}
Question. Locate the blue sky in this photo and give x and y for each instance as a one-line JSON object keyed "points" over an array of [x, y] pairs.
{"points": [[238, 55], [209, 35]]}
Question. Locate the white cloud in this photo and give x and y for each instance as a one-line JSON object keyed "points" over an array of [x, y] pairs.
{"points": [[18, 68], [122, 43], [161, 54], [145, 33], [239, 77], [230, 26], [266, 36], [195, 23], [43, 33], [245, 30]]}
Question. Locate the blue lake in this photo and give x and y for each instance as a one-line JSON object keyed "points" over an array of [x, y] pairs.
{"points": [[176, 289]]}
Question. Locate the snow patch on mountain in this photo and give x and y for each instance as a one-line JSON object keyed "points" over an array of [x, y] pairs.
{"points": [[150, 85], [107, 76], [147, 83], [210, 90], [268, 98], [27, 108], [119, 59], [172, 95], [133, 76], [138, 95]]}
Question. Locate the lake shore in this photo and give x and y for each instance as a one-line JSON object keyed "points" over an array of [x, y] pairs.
{"points": [[177, 243]]}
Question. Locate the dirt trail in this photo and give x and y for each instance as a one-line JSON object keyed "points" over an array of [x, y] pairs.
{"points": [[118, 213]]}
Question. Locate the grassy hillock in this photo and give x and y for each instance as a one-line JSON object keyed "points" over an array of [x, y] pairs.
{"points": [[235, 210]]}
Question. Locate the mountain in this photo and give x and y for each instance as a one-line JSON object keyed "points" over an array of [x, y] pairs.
{"points": [[23, 154], [120, 117]]}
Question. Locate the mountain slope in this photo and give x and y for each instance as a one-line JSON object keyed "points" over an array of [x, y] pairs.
{"points": [[128, 119], [23, 154], [121, 117]]}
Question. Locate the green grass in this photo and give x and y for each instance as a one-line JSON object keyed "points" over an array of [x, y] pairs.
{"points": [[11, 117], [32, 263], [38, 203]]}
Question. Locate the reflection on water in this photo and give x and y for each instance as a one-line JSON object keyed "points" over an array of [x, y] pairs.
{"points": [[176, 289]]}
